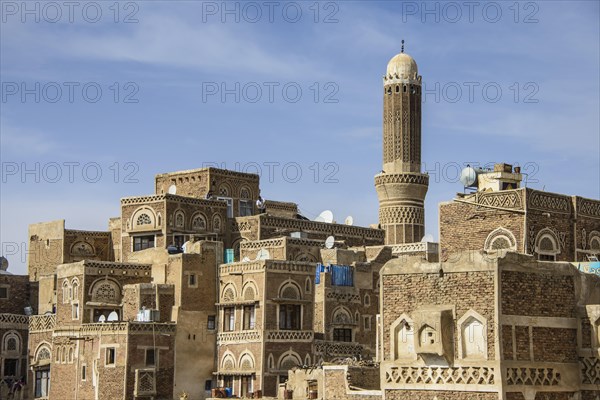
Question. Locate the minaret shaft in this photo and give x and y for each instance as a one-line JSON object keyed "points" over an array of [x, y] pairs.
{"points": [[401, 187]]}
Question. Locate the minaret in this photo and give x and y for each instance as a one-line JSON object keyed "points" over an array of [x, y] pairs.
{"points": [[401, 187]]}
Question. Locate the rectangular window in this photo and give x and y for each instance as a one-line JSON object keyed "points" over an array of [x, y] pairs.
{"points": [[83, 373], [342, 335], [143, 242], [75, 311], [42, 382], [547, 257], [245, 208], [3, 292], [10, 366], [211, 325], [229, 202], [150, 357], [228, 319], [192, 280], [289, 316], [249, 317], [111, 354], [208, 385], [179, 240], [367, 322]]}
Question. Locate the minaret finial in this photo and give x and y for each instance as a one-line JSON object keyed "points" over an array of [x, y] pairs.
{"points": [[402, 51]]}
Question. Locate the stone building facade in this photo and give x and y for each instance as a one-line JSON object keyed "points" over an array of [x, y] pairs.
{"points": [[479, 327], [17, 299], [550, 226]]}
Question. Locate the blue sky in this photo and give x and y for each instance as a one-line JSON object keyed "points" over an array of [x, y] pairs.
{"points": [[158, 65]]}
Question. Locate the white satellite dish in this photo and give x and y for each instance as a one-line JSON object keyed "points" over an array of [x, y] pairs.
{"points": [[329, 242], [245, 259], [325, 216], [102, 319], [263, 254], [3, 263], [172, 189], [349, 220], [113, 316], [468, 177], [427, 238]]}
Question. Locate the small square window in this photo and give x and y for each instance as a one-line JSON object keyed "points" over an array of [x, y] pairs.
{"points": [[192, 281], [4, 293], [111, 355], [212, 323]]}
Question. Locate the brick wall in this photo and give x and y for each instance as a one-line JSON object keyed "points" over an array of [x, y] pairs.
{"points": [[438, 395], [466, 290], [467, 226], [522, 293]]}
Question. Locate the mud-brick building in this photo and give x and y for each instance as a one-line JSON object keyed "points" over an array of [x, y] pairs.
{"points": [[266, 319], [550, 226], [18, 297], [97, 345], [487, 328]]}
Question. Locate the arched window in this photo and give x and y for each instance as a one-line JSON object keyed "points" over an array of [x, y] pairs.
{"points": [[500, 239], [216, 223], [199, 222], [245, 193], [547, 245], [289, 291], [43, 353], [229, 293], [367, 301], [12, 343], [179, 219], [472, 330], [249, 292], [246, 362], [341, 316], [308, 285], [70, 355], [75, 284], [271, 362], [228, 362], [143, 219], [66, 290], [307, 360], [289, 360], [224, 190], [106, 291]]}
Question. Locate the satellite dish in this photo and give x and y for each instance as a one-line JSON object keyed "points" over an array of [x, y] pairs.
{"points": [[329, 242], [325, 216], [468, 177], [245, 259], [263, 254], [102, 319], [113, 316], [427, 238], [3, 263], [349, 220], [172, 189]]}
